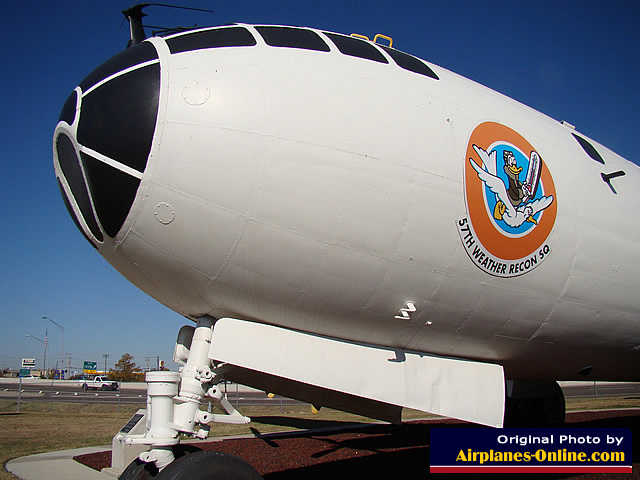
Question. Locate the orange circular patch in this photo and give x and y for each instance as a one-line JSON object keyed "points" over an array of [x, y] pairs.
{"points": [[492, 239]]}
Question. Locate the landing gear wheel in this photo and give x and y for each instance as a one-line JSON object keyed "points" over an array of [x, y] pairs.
{"points": [[547, 409], [554, 408], [209, 466], [139, 470]]}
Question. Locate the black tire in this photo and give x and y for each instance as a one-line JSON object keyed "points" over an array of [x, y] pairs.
{"points": [[536, 412], [554, 408], [209, 466], [104, 387], [139, 470], [84, 386]]}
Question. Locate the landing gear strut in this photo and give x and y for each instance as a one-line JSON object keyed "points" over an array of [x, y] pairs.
{"points": [[173, 402]]}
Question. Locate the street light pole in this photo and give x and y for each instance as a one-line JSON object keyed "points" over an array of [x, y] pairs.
{"points": [[106, 357], [44, 368], [62, 349]]}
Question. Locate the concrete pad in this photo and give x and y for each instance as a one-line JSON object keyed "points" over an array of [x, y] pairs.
{"points": [[56, 466]]}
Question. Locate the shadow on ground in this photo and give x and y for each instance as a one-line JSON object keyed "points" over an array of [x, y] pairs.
{"points": [[381, 452]]}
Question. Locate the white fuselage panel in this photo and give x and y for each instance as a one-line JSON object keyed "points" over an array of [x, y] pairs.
{"points": [[321, 192]]}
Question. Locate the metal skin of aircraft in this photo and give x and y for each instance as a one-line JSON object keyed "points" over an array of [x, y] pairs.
{"points": [[351, 226]]}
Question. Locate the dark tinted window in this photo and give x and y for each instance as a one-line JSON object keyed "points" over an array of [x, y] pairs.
{"points": [[68, 113], [590, 149], [221, 37], [135, 55], [356, 48], [292, 38], [71, 170], [411, 63], [73, 215], [118, 118], [113, 193]]}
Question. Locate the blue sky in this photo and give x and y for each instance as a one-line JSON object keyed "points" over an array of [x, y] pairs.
{"points": [[574, 60]]}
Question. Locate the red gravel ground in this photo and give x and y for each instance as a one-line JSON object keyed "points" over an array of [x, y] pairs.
{"points": [[377, 452]]}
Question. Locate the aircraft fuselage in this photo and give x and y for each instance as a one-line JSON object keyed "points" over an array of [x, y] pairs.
{"points": [[341, 189]]}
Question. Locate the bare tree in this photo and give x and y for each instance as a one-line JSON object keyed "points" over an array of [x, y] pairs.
{"points": [[126, 370]]}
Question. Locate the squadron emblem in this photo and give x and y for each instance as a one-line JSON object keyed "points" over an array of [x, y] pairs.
{"points": [[510, 199]]}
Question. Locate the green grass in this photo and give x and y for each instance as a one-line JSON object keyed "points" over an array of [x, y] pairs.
{"points": [[602, 403], [43, 427], [37, 429]]}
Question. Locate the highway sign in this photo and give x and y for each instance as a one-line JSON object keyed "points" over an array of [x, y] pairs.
{"points": [[90, 367], [28, 363]]}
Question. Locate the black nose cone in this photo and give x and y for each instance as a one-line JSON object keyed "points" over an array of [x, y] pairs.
{"points": [[104, 138]]}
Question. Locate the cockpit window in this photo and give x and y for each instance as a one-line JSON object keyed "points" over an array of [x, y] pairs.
{"points": [[409, 62], [143, 52], [292, 38], [68, 113], [356, 48], [220, 37], [589, 149], [125, 108], [113, 192], [71, 170]]}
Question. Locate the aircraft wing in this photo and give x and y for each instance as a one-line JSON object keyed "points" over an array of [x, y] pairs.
{"points": [[472, 391]]}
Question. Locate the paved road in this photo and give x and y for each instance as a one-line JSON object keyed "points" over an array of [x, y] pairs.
{"points": [[600, 389], [41, 390]]}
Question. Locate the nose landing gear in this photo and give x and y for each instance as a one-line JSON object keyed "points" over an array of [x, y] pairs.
{"points": [[173, 402]]}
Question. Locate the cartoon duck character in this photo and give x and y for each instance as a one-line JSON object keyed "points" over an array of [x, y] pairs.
{"points": [[513, 172], [509, 203], [515, 191]]}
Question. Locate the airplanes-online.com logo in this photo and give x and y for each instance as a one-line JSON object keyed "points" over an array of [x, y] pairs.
{"points": [[511, 202]]}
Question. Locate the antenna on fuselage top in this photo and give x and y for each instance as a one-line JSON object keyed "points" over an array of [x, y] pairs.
{"points": [[136, 30], [134, 16]]}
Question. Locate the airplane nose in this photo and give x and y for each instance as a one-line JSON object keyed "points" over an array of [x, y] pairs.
{"points": [[103, 140]]}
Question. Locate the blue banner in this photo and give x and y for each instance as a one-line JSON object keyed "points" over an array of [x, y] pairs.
{"points": [[522, 450]]}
